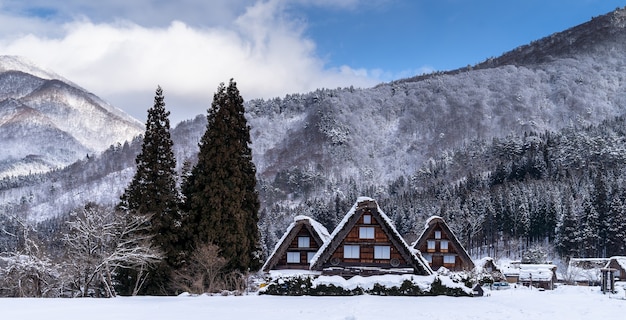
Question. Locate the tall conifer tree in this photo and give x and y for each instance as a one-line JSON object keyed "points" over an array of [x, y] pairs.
{"points": [[220, 193], [153, 192]]}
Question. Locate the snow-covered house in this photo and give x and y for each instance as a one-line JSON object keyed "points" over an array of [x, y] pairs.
{"points": [[585, 271], [441, 248], [538, 275], [366, 243], [618, 265], [298, 245], [511, 271]]}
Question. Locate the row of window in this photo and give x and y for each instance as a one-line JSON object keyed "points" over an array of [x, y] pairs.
{"points": [[447, 259], [294, 257], [349, 252], [354, 252], [443, 245]]}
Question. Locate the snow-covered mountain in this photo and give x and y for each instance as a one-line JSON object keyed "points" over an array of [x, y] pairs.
{"points": [[314, 144], [47, 122], [575, 77]]}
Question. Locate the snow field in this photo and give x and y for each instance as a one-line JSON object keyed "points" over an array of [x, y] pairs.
{"points": [[565, 302]]}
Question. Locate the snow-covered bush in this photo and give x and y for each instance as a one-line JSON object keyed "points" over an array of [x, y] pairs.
{"points": [[387, 285]]}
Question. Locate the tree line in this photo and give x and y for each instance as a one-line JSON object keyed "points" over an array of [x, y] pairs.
{"points": [[561, 190], [165, 236]]}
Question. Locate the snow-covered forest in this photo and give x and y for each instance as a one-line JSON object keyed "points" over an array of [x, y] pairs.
{"points": [[520, 151]]}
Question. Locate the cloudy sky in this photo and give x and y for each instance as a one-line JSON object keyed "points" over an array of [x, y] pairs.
{"points": [[121, 50]]}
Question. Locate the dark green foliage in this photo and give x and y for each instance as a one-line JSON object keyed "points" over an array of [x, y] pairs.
{"points": [[407, 288], [153, 192], [437, 288], [303, 285], [220, 198]]}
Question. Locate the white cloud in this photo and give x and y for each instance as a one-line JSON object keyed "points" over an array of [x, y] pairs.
{"points": [[123, 62]]}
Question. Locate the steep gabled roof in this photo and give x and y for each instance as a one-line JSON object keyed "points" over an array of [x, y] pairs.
{"points": [[437, 220], [348, 222], [620, 260], [316, 229]]}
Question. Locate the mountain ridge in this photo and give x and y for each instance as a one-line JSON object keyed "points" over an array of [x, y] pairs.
{"points": [[64, 121], [319, 144]]}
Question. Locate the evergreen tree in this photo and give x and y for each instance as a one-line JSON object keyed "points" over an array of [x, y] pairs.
{"points": [[590, 229], [568, 232], [617, 229], [220, 193], [602, 206], [153, 192]]}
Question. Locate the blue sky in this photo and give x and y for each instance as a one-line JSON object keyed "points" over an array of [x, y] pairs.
{"points": [[397, 36], [121, 50]]}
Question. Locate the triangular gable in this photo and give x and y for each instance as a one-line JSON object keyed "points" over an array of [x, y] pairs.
{"points": [[455, 248], [302, 225], [331, 254]]}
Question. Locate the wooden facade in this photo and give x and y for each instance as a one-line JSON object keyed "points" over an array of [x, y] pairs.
{"points": [[441, 248], [366, 243], [298, 245]]}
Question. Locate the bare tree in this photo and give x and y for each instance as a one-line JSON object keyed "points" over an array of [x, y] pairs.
{"points": [[203, 272], [101, 241], [28, 271]]}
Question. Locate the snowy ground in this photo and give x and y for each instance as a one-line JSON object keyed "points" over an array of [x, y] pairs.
{"points": [[514, 304]]}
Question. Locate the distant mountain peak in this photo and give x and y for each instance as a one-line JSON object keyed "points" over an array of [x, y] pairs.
{"points": [[46, 116], [22, 64]]}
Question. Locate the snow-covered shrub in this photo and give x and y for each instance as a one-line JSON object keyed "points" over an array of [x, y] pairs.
{"points": [[409, 285]]}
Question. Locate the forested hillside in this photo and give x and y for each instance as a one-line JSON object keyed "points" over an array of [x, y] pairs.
{"points": [[555, 189], [521, 150]]}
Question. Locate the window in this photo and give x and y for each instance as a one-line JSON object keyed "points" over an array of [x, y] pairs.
{"points": [[382, 252], [437, 234], [303, 242], [309, 256], [293, 257], [367, 219], [431, 245], [351, 252], [366, 232], [428, 257], [449, 259], [444, 246]]}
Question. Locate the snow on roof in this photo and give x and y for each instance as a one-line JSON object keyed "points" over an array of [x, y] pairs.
{"points": [[318, 227], [339, 227], [620, 260], [536, 272], [480, 263], [351, 212], [431, 219], [426, 225], [452, 236], [586, 269]]}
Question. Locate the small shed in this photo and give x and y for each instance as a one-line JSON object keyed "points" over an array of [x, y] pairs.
{"points": [[618, 263], [538, 275], [585, 271]]}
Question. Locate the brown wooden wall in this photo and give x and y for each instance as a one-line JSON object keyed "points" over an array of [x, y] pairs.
{"points": [[366, 255], [293, 247], [437, 253]]}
